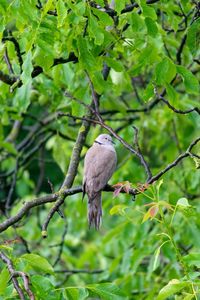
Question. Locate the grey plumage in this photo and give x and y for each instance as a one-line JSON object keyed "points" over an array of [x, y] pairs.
{"points": [[99, 165]]}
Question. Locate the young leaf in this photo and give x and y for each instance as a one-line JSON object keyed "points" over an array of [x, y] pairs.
{"points": [[156, 255]]}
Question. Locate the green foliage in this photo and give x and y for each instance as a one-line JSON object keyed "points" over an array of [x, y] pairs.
{"points": [[148, 246]]}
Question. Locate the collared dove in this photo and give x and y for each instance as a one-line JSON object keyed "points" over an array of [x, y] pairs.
{"points": [[99, 165]]}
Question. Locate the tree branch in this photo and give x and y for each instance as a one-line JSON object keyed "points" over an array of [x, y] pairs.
{"points": [[68, 192], [15, 274]]}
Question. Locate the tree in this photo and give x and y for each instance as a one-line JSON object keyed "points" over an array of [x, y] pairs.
{"points": [[69, 71]]}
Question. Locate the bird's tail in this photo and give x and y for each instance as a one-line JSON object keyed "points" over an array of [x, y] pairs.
{"points": [[94, 210]]}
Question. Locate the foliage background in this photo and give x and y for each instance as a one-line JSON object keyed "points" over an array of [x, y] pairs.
{"points": [[52, 54]]}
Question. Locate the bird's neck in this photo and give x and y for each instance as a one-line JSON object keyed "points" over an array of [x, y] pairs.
{"points": [[108, 147], [98, 143]]}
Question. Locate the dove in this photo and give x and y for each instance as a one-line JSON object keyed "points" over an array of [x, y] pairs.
{"points": [[99, 165]]}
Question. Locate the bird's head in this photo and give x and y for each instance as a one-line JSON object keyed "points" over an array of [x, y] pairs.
{"points": [[104, 139]]}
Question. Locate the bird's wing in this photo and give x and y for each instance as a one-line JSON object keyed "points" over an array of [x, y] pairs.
{"points": [[100, 163]]}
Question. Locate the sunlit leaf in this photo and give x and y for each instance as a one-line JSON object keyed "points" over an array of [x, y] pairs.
{"points": [[173, 287]]}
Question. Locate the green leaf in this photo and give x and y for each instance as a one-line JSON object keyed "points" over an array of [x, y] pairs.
{"points": [[151, 27], [192, 259], [190, 81], [171, 92], [165, 71], [193, 37], [98, 81], [156, 255], [103, 17], [114, 64], [173, 287], [44, 289], [95, 30], [183, 202], [74, 293], [107, 291], [148, 92], [118, 209], [27, 68], [119, 5], [42, 57], [148, 55], [146, 216], [4, 279], [8, 147], [87, 59], [38, 262], [5, 247], [62, 12], [47, 7], [148, 11], [137, 23], [22, 97]]}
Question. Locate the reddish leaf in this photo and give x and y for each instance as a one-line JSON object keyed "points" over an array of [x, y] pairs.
{"points": [[153, 211], [127, 187]]}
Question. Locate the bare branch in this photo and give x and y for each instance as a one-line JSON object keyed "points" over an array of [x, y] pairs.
{"points": [[48, 199]]}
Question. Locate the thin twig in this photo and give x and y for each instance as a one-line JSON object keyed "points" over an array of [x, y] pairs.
{"points": [[179, 111]]}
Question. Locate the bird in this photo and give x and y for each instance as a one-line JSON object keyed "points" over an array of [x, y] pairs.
{"points": [[99, 165]]}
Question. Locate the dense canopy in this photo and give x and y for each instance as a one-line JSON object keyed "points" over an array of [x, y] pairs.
{"points": [[70, 70]]}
